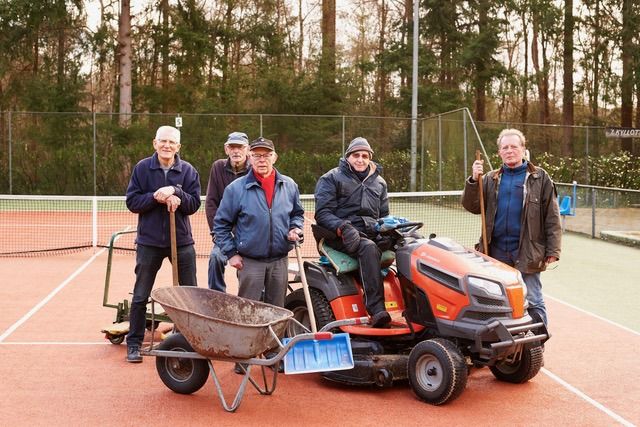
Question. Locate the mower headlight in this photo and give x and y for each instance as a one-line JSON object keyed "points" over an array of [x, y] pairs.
{"points": [[523, 284], [488, 286]]}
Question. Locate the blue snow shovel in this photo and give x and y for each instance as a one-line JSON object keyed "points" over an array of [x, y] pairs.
{"points": [[327, 351]]}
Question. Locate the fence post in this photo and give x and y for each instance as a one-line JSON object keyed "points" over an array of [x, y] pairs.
{"points": [[586, 159], [343, 133], [10, 155], [95, 155], [422, 132], [261, 125], [464, 137], [593, 213], [439, 152]]}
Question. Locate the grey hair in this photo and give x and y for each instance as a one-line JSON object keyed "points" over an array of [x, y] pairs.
{"points": [[169, 131], [515, 132]]}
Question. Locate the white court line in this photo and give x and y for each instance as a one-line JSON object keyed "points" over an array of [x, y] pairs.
{"points": [[48, 298], [589, 400], [611, 322]]}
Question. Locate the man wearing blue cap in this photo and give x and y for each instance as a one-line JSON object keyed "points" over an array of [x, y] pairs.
{"points": [[223, 172]]}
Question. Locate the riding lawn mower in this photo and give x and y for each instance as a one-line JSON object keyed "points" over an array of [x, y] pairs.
{"points": [[453, 310]]}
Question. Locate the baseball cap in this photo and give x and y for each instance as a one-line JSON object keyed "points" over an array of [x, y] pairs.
{"points": [[262, 143], [237, 138]]}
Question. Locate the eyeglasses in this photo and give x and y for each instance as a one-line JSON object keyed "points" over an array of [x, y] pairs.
{"points": [[364, 156], [261, 156], [167, 141]]}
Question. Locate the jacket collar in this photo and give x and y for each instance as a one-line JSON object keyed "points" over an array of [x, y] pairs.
{"points": [[252, 181], [374, 168], [155, 162], [227, 166], [532, 170]]}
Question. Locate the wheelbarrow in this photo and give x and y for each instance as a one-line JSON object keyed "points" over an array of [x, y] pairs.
{"points": [[215, 326]]}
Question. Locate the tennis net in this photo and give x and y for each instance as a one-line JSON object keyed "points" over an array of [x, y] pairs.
{"points": [[40, 225]]}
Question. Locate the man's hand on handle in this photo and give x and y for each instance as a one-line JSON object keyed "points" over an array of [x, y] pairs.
{"points": [[477, 169]]}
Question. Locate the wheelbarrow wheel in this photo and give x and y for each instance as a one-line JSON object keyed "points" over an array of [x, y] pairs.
{"points": [[182, 375], [296, 303]]}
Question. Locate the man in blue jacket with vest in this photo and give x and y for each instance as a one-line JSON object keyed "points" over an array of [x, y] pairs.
{"points": [[160, 184]]}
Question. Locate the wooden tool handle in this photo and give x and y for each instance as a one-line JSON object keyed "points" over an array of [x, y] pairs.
{"points": [[485, 249], [174, 248]]}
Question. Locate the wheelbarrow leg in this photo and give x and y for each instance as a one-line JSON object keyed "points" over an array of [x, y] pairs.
{"points": [[267, 389], [239, 394]]}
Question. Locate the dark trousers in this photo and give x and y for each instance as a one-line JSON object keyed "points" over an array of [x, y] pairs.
{"points": [[148, 262], [368, 255]]}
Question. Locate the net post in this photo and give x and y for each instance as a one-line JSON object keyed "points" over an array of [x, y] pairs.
{"points": [[94, 221]]}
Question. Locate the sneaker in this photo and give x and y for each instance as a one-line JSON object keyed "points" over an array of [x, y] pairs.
{"points": [[380, 319], [133, 354], [238, 369]]}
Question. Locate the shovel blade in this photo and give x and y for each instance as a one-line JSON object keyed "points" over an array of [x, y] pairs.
{"points": [[319, 355]]}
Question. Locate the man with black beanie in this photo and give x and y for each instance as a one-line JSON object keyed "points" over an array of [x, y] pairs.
{"points": [[349, 201]]}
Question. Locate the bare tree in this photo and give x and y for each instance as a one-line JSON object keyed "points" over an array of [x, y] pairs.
{"points": [[626, 84], [567, 79], [124, 59]]}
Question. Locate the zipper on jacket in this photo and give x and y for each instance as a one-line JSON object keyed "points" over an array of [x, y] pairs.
{"points": [[270, 234]]}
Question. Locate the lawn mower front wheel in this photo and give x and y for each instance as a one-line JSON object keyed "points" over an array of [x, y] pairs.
{"points": [[437, 371]]}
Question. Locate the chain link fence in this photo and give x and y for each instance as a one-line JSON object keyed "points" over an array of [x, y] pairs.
{"points": [[89, 154]]}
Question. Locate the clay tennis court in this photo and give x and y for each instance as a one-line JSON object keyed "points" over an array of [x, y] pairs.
{"points": [[57, 368]]}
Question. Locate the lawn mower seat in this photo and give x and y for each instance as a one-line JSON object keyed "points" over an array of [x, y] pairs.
{"points": [[343, 263]]}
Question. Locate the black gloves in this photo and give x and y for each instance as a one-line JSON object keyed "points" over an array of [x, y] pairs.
{"points": [[350, 237], [385, 243]]}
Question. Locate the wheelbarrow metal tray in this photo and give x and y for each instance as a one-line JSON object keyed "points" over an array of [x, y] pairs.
{"points": [[219, 325]]}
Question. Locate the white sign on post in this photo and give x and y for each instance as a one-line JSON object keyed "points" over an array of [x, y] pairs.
{"points": [[178, 122]]}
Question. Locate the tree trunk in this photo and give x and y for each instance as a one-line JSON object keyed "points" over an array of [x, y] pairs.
{"points": [[567, 79], [124, 60], [300, 38], [541, 79], [626, 84], [62, 35], [481, 68], [164, 71], [381, 86], [328, 59], [524, 111]]}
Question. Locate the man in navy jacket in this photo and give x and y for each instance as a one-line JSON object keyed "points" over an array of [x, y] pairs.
{"points": [[160, 184]]}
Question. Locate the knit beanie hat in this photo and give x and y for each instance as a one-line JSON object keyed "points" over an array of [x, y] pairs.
{"points": [[358, 144]]}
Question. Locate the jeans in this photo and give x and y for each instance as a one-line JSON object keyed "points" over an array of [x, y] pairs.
{"points": [[217, 263], [148, 261], [270, 277], [537, 309]]}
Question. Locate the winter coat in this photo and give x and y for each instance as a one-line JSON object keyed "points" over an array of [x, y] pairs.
{"points": [[153, 217], [541, 230], [245, 225], [220, 176], [340, 196]]}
